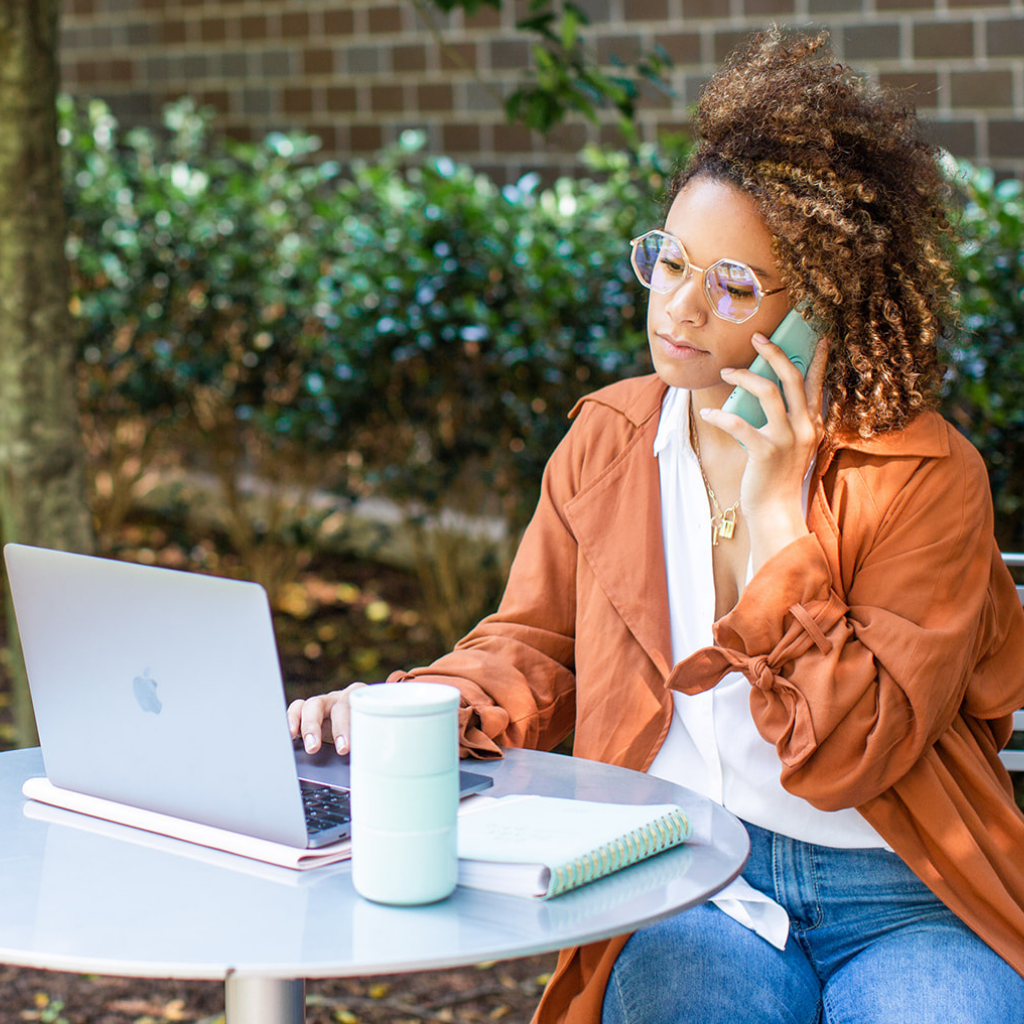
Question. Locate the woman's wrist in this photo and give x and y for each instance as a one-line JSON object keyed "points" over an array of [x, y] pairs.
{"points": [[771, 530]]}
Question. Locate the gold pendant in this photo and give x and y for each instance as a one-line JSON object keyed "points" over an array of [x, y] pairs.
{"points": [[727, 527]]}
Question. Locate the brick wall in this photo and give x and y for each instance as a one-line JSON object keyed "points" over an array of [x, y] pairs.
{"points": [[358, 72]]}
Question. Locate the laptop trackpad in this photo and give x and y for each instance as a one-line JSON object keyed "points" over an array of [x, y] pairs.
{"points": [[331, 768], [323, 766]]}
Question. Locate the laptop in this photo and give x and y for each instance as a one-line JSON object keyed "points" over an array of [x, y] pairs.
{"points": [[161, 690]]}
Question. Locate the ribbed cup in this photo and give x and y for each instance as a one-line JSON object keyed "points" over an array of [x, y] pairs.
{"points": [[405, 792]]}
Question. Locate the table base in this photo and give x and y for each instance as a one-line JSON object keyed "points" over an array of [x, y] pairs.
{"points": [[254, 1000]]}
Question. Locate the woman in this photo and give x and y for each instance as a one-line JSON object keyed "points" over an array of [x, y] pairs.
{"points": [[812, 626]]}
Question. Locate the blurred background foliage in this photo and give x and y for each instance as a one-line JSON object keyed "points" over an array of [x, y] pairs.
{"points": [[309, 339], [305, 338], [985, 386]]}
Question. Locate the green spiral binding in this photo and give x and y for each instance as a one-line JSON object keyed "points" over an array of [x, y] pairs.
{"points": [[661, 834]]}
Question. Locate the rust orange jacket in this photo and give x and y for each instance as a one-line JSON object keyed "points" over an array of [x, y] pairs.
{"points": [[885, 652]]}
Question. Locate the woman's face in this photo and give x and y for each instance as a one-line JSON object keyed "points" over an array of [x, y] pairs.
{"points": [[690, 345]]}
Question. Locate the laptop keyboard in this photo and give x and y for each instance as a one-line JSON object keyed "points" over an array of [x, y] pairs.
{"points": [[325, 806]]}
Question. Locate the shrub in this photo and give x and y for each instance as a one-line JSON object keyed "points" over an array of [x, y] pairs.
{"points": [[985, 385], [195, 274], [409, 326], [196, 271], [478, 317]]}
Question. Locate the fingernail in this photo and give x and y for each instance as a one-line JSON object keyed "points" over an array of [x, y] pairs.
{"points": [[760, 339], [726, 370], [703, 413], [309, 742], [341, 745]]}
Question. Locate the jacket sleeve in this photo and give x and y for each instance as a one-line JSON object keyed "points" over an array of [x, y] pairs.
{"points": [[516, 668], [854, 679]]}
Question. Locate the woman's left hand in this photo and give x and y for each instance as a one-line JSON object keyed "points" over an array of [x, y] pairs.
{"points": [[780, 452]]}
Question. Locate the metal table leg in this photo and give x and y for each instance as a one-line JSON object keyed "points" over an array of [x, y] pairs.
{"points": [[253, 1000]]}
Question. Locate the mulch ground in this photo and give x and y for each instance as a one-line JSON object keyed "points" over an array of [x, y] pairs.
{"points": [[506, 992]]}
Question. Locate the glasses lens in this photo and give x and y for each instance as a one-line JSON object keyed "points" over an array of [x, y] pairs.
{"points": [[732, 290], [659, 261]]}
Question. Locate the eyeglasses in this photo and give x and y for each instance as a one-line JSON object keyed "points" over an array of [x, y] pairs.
{"points": [[732, 288]]}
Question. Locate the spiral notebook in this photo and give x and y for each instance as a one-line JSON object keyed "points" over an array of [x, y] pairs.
{"points": [[543, 846]]}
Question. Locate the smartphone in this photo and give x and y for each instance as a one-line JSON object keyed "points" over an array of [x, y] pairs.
{"points": [[797, 339]]}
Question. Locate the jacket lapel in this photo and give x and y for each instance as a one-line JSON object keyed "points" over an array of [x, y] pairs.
{"points": [[617, 523]]}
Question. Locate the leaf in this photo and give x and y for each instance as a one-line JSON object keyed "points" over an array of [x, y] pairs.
{"points": [[570, 27], [174, 1010]]}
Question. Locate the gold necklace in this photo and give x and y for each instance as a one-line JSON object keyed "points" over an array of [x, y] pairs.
{"points": [[723, 523]]}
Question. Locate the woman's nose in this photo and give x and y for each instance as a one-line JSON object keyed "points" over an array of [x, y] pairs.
{"points": [[687, 301]]}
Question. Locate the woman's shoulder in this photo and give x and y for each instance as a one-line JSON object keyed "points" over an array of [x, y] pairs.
{"points": [[608, 424], [928, 458], [636, 399]]}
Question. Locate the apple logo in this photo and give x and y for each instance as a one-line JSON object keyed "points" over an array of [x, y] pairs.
{"points": [[145, 693]]}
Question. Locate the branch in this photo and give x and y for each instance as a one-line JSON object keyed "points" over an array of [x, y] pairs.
{"points": [[424, 7]]}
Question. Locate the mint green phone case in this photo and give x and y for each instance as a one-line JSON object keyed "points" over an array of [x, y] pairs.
{"points": [[797, 339]]}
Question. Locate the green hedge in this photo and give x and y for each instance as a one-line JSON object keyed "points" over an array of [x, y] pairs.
{"points": [[985, 384], [409, 312]]}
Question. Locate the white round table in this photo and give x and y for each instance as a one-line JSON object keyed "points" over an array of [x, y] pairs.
{"points": [[83, 895]]}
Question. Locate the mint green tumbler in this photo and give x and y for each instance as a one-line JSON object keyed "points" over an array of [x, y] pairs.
{"points": [[404, 772]]}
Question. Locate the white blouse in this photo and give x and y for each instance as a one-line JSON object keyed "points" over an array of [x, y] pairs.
{"points": [[713, 746]]}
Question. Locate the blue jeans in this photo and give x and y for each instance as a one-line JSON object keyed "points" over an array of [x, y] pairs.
{"points": [[868, 944]]}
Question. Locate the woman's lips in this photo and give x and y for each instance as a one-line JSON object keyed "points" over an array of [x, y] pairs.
{"points": [[678, 349]]}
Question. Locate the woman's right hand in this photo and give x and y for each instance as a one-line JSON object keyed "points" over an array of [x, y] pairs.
{"points": [[322, 718]]}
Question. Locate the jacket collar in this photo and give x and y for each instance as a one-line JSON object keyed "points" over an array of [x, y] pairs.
{"points": [[925, 436]]}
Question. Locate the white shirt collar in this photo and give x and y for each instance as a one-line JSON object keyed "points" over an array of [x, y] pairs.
{"points": [[674, 412]]}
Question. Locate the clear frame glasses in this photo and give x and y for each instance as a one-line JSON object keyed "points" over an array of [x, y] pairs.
{"points": [[731, 287]]}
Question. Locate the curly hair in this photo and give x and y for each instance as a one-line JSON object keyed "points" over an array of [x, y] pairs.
{"points": [[858, 206]]}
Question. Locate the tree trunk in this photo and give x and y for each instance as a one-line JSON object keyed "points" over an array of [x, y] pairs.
{"points": [[42, 479]]}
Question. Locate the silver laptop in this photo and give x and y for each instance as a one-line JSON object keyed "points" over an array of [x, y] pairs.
{"points": [[162, 690]]}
